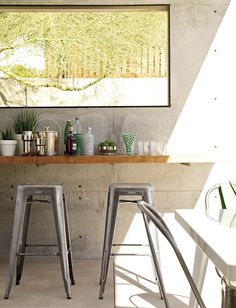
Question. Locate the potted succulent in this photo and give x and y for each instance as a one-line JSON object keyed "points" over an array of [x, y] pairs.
{"points": [[107, 147], [7, 144], [25, 120]]}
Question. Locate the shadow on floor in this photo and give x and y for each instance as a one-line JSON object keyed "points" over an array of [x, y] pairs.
{"points": [[136, 288]]}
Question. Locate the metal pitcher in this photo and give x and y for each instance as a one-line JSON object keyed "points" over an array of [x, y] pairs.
{"points": [[47, 141]]}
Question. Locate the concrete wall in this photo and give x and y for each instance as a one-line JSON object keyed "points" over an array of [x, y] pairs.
{"points": [[194, 25]]}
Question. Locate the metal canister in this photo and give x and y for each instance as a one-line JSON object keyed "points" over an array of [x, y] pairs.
{"points": [[51, 141], [47, 141], [40, 146], [27, 138]]}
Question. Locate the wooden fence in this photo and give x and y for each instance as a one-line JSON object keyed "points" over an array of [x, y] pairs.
{"points": [[147, 62]]}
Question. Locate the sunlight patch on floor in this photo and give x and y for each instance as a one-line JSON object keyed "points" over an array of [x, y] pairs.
{"points": [[134, 277]]}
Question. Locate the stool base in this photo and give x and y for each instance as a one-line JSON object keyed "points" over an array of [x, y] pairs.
{"points": [[146, 192], [24, 202]]}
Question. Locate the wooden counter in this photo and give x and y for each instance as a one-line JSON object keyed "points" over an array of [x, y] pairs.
{"points": [[101, 159]]}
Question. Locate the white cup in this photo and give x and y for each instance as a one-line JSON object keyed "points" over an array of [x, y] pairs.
{"points": [[153, 148], [160, 147], [140, 148]]}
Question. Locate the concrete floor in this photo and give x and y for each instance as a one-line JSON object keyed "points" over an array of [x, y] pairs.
{"points": [[42, 286], [130, 282], [132, 285], [135, 286]]}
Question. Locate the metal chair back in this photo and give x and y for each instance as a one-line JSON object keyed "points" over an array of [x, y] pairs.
{"points": [[157, 220]]}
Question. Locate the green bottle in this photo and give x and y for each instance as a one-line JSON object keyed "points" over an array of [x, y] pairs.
{"points": [[78, 134], [66, 133], [79, 144]]}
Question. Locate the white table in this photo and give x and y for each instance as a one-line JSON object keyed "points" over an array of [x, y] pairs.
{"points": [[216, 240]]}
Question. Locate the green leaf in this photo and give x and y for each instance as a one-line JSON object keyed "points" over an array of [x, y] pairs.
{"points": [[222, 200], [233, 186], [7, 134]]}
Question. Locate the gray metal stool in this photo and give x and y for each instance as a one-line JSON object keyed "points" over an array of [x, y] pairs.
{"points": [[146, 191], [150, 213], [26, 196]]}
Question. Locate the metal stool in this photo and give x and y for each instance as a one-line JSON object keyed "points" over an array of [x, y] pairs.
{"points": [[150, 213], [146, 191], [25, 198]]}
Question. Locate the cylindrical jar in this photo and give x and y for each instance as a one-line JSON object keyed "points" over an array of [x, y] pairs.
{"points": [[89, 142]]}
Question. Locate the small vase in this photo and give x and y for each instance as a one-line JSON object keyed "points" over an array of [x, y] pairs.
{"points": [[129, 140], [19, 146], [7, 147]]}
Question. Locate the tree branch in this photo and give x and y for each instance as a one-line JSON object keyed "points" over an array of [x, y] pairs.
{"points": [[6, 48], [17, 78], [66, 88], [50, 84]]}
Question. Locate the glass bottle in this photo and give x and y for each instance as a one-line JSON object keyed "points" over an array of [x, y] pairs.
{"points": [[79, 139], [77, 126], [66, 133], [71, 143], [89, 142]]}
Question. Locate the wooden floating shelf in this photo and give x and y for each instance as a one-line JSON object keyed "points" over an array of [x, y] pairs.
{"points": [[102, 159]]}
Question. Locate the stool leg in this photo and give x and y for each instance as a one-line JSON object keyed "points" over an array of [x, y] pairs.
{"points": [[108, 238], [58, 210], [16, 233], [23, 239], [70, 260], [149, 195], [155, 262]]}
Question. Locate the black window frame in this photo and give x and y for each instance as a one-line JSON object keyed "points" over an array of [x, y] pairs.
{"points": [[5, 7]]}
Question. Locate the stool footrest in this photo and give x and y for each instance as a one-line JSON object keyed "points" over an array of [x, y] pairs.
{"points": [[55, 254], [131, 254], [140, 245], [129, 201], [39, 201], [42, 254], [40, 245]]}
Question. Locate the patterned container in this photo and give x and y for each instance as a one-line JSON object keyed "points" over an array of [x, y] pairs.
{"points": [[129, 140]]}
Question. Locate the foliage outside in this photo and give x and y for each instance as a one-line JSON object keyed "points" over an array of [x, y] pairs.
{"points": [[72, 41]]}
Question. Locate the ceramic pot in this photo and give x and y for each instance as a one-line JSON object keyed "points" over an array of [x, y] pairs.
{"points": [[7, 147]]}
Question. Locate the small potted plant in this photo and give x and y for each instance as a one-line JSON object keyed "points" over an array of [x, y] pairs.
{"points": [[25, 121], [7, 144], [107, 147]]}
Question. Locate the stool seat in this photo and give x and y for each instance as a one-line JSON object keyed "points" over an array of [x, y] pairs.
{"points": [[25, 198], [132, 189], [145, 191]]}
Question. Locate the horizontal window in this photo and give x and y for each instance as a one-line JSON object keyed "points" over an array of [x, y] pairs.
{"points": [[89, 57]]}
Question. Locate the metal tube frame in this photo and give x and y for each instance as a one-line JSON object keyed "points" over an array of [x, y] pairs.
{"points": [[24, 202], [146, 191], [157, 220]]}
